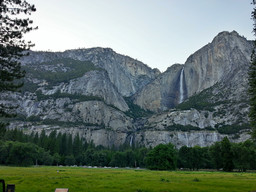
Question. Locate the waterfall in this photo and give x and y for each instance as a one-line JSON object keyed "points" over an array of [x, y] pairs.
{"points": [[131, 141], [181, 86]]}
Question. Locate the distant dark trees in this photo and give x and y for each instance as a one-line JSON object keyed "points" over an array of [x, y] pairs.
{"points": [[252, 81], [19, 149], [23, 154], [229, 156], [162, 157], [12, 47], [221, 155], [63, 149], [244, 155]]}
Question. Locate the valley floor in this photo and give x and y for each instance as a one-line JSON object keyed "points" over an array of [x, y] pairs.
{"points": [[46, 179]]}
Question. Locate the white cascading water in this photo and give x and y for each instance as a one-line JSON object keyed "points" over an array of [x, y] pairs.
{"points": [[131, 140], [181, 86]]}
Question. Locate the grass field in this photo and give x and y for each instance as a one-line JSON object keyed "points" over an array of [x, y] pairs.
{"points": [[46, 179]]}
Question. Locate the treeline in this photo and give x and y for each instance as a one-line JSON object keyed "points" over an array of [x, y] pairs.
{"points": [[20, 149], [222, 155]]}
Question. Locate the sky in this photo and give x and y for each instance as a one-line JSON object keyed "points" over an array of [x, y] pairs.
{"points": [[157, 32]]}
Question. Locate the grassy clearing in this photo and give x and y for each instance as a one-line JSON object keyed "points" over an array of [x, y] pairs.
{"points": [[46, 179]]}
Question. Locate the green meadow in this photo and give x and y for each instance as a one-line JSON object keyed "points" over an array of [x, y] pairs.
{"points": [[77, 179]]}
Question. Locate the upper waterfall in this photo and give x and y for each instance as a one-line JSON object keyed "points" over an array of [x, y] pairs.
{"points": [[181, 98]]}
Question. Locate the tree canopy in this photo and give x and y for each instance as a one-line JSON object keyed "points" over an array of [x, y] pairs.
{"points": [[162, 157], [252, 80], [14, 25]]}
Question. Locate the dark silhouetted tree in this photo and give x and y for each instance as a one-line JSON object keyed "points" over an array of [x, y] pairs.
{"points": [[12, 46], [69, 145], [215, 154], [252, 81], [63, 145], [185, 157], [43, 139], [227, 155], [77, 148], [51, 145], [244, 155]]}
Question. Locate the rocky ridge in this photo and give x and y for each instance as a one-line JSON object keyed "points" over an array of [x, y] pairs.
{"points": [[128, 75], [96, 92], [217, 62]]}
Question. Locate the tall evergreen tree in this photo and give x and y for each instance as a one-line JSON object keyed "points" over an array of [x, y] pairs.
{"points": [[63, 144], [43, 140], [252, 80], [52, 142], [12, 47], [58, 143], [69, 145], [216, 155], [36, 139], [243, 155], [77, 148], [227, 155], [185, 157], [197, 157]]}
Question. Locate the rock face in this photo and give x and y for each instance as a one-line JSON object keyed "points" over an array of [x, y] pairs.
{"points": [[216, 61], [127, 74], [93, 83], [162, 93], [104, 96], [61, 110], [181, 138], [220, 60]]}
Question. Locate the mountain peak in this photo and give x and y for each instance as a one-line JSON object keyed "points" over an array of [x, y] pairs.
{"points": [[228, 36], [225, 33]]}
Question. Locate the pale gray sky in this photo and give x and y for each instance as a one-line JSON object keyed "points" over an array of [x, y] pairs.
{"points": [[156, 32]]}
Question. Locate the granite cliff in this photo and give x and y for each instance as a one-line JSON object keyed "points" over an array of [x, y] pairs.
{"points": [[112, 99], [127, 75], [217, 62]]}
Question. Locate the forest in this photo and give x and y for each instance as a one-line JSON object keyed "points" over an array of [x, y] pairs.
{"points": [[19, 149]]}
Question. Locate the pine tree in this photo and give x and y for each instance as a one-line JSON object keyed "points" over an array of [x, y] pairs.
{"points": [[227, 155], [216, 156], [77, 146], [36, 139], [63, 144], [58, 143], [43, 140], [12, 47], [52, 147], [185, 157], [252, 81], [69, 145]]}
